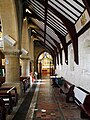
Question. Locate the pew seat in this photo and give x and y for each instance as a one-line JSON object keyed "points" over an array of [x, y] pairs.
{"points": [[68, 89], [7, 102], [82, 99], [56, 81], [25, 83], [2, 80], [2, 110], [13, 92], [65, 87], [10, 97]]}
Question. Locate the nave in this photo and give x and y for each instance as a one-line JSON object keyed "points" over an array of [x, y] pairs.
{"points": [[44, 102]]}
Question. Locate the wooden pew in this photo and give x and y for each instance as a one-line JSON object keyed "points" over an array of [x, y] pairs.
{"points": [[10, 97], [2, 110], [2, 80], [7, 101], [68, 89], [65, 87], [22, 78], [25, 82], [82, 99], [13, 92], [56, 81]]}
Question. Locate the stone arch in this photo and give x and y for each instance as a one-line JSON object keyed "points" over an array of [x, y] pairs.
{"points": [[43, 52]]}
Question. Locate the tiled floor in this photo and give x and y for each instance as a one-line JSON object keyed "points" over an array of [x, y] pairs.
{"points": [[46, 107], [49, 104]]}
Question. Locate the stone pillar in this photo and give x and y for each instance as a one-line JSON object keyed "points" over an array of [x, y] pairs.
{"points": [[25, 45], [32, 48], [32, 53], [32, 66], [40, 70], [12, 67], [25, 67]]}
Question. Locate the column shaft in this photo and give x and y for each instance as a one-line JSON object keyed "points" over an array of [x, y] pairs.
{"points": [[25, 67], [12, 68]]}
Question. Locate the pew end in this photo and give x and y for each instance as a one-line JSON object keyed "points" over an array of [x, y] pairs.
{"points": [[2, 109], [82, 99]]}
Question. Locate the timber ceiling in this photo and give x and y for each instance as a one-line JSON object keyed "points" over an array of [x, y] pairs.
{"points": [[55, 19]]}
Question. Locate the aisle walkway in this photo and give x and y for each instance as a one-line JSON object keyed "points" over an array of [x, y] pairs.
{"points": [[51, 105], [47, 107], [46, 103]]}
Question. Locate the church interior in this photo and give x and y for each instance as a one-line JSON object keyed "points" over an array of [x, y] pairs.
{"points": [[44, 60]]}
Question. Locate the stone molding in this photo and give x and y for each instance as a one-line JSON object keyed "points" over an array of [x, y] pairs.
{"points": [[24, 58], [15, 53], [32, 61]]}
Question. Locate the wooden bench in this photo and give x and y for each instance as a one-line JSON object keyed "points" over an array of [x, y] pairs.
{"points": [[22, 78], [68, 89], [2, 80], [65, 87], [82, 99], [13, 92], [25, 82], [7, 101], [10, 97], [2, 110], [56, 81]]}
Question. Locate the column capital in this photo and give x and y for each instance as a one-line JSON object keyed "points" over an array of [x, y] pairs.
{"points": [[15, 53], [24, 58], [31, 60]]}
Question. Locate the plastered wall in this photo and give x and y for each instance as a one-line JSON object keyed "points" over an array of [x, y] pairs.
{"points": [[78, 74]]}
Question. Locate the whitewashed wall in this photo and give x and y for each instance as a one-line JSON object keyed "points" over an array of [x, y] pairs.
{"points": [[78, 74]]}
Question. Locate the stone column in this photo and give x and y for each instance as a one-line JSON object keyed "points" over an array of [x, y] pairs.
{"points": [[25, 58], [25, 67], [32, 65], [32, 48], [12, 67]]}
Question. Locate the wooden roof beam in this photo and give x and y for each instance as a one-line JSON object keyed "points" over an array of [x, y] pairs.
{"points": [[87, 4], [70, 27]]}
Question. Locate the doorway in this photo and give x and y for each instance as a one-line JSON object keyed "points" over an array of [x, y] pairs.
{"points": [[45, 65]]}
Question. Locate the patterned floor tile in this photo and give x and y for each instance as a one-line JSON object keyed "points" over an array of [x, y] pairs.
{"points": [[55, 105]]}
